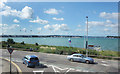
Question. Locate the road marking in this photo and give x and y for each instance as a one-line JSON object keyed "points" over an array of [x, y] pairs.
{"points": [[19, 70], [104, 64], [104, 61], [68, 70], [54, 69], [60, 68], [39, 71], [79, 70]]}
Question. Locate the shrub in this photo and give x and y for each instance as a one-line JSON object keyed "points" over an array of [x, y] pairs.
{"points": [[10, 41], [22, 43], [36, 44]]}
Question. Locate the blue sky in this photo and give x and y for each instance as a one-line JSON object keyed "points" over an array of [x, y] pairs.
{"points": [[59, 18]]}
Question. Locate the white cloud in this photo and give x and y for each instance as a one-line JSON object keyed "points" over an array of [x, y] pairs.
{"points": [[24, 29], [25, 13], [95, 24], [3, 25], [16, 21], [79, 25], [52, 11], [109, 15], [64, 27], [14, 26], [107, 23], [38, 20], [78, 30], [6, 27], [106, 29], [48, 27], [39, 29], [56, 27], [58, 19]]}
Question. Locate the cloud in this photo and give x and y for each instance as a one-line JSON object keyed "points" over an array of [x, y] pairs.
{"points": [[25, 13], [6, 27], [48, 27], [24, 29], [79, 25], [95, 23], [78, 30], [39, 29], [58, 19], [55, 27], [109, 15], [52, 11], [106, 29], [38, 20], [3, 25], [64, 27], [16, 21]]}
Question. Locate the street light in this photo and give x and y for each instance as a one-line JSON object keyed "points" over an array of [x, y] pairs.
{"points": [[87, 38]]}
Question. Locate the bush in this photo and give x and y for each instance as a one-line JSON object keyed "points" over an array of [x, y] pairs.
{"points": [[22, 43], [36, 44], [10, 41]]}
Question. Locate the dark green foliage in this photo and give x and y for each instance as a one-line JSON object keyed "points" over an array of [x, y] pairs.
{"points": [[10, 41], [36, 44], [23, 43]]}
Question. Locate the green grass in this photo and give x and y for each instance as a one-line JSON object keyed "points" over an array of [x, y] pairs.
{"points": [[58, 49]]}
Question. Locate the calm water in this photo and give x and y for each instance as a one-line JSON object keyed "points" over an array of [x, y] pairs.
{"points": [[105, 43]]}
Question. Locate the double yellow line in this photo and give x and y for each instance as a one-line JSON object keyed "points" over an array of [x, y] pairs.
{"points": [[19, 70]]}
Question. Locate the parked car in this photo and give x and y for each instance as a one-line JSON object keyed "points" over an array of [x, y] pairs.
{"points": [[80, 58], [31, 60]]}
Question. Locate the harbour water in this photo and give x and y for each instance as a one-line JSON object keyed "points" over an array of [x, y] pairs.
{"points": [[105, 43]]}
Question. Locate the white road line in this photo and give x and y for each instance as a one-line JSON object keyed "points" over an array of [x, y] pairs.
{"points": [[68, 71], [72, 69], [54, 69], [104, 61], [79, 70], [85, 71], [60, 68], [104, 64], [39, 71]]}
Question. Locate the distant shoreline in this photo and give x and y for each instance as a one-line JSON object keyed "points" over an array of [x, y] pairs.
{"points": [[60, 36]]}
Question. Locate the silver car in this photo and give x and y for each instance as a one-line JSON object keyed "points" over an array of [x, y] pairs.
{"points": [[80, 58]]}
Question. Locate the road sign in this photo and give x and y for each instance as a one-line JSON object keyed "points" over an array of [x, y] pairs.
{"points": [[10, 50]]}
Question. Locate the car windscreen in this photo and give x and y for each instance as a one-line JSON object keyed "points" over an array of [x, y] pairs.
{"points": [[32, 59]]}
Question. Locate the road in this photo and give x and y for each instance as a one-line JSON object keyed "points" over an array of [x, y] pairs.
{"points": [[59, 63]]}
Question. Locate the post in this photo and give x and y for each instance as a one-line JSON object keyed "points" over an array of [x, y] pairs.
{"points": [[87, 38], [10, 64]]}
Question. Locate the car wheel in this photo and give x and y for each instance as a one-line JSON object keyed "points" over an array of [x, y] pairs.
{"points": [[72, 60], [87, 62], [23, 63]]}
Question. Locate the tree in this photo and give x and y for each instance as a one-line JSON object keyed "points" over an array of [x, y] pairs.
{"points": [[22, 42], [10, 41], [36, 44]]}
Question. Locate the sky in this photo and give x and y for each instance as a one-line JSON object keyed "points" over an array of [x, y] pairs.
{"points": [[59, 18]]}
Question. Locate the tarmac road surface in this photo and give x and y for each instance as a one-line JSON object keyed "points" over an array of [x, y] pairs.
{"points": [[59, 63]]}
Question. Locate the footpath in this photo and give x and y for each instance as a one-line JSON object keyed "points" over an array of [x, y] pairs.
{"points": [[5, 67]]}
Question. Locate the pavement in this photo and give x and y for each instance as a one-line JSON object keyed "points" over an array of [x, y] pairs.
{"points": [[56, 63], [5, 67]]}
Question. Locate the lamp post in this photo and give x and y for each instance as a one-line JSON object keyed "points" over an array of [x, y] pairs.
{"points": [[87, 38]]}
